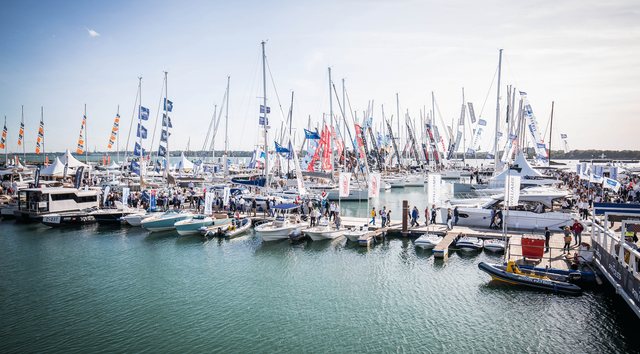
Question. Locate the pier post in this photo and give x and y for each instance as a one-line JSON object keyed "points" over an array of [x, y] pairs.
{"points": [[405, 222]]}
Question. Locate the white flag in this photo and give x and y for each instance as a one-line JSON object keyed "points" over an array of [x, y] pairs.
{"points": [[374, 185], [225, 197], [433, 188], [105, 195], [208, 200], [125, 195], [344, 181], [512, 190], [611, 184]]}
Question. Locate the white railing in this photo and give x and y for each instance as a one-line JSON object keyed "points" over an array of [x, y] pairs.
{"points": [[613, 243]]}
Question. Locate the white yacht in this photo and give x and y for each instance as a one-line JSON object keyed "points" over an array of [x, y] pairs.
{"points": [[428, 241], [355, 233], [34, 203], [278, 229], [324, 231]]}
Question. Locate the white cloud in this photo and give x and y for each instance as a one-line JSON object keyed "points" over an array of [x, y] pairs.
{"points": [[93, 33]]}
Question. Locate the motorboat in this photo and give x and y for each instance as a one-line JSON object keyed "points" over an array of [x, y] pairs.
{"points": [[354, 234], [468, 243], [495, 245], [7, 211], [136, 219], [237, 227], [35, 203], [70, 218], [533, 212], [428, 241], [218, 227], [193, 224], [165, 221], [324, 231], [113, 216], [278, 229], [512, 274]]}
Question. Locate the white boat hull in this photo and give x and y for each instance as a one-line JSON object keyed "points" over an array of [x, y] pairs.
{"points": [[427, 242], [192, 227], [269, 233], [516, 219], [323, 233]]}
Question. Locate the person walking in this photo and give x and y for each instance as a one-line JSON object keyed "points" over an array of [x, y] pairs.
{"points": [[414, 216], [547, 238], [254, 206], [388, 217], [449, 216], [456, 216], [373, 216], [383, 216], [312, 218], [567, 239]]}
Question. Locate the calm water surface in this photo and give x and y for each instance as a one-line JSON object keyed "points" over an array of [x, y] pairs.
{"points": [[100, 289]]}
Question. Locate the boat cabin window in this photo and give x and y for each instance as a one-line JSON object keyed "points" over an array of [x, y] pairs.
{"points": [[535, 207], [64, 196]]}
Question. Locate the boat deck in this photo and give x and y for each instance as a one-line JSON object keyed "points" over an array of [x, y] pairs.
{"points": [[555, 258]]}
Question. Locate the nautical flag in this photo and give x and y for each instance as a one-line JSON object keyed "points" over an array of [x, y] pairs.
{"points": [[166, 121], [114, 131], [611, 183], [138, 150], [168, 105], [40, 138], [142, 131], [3, 139], [158, 165], [563, 136], [311, 135], [541, 145], [164, 136], [135, 168], [261, 121], [162, 151], [21, 134], [262, 109], [144, 113], [80, 147], [472, 113], [482, 122], [281, 149]]}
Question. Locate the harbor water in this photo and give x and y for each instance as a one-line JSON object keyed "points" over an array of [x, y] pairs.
{"points": [[101, 289]]}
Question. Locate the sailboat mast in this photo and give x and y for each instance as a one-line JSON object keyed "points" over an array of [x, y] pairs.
{"points": [[331, 123], [24, 151], [398, 115], [264, 104], [226, 130], [6, 154], [44, 152], [166, 113], [551, 131], [495, 141], [118, 136]]}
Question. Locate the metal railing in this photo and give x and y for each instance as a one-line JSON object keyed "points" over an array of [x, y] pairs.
{"points": [[626, 253]]}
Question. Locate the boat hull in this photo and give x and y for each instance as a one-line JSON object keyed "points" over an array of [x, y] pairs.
{"points": [[162, 224], [318, 234], [61, 220], [555, 286], [193, 227]]}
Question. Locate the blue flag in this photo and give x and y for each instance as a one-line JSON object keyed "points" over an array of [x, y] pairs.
{"points": [[144, 113], [281, 149], [311, 135], [135, 168], [162, 151], [262, 109], [261, 121], [166, 121], [164, 136], [142, 131], [138, 150], [168, 105]]}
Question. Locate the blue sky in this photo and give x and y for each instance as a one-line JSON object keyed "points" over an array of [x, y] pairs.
{"points": [[582, 54]]}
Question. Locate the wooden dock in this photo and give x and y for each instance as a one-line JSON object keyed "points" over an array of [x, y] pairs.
{"points": [[442, 249], [555, 258]]}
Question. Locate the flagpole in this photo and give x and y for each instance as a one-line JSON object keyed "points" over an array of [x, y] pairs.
{"points": [[166, 167], [5, 133], [226, 131], [118, 136], [44, 153], [264, 103], [86, 135]]}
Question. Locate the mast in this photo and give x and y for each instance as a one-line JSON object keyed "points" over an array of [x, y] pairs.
{"points": [[550, 131], [264, 104], [495, 141], [118, 136], [6, 154], [398, 115], [344, 126], [331, 123], [126, 149], [44, 153], [86, 141], [226, 130], [464, 135], [290, 145], [24, 151]]}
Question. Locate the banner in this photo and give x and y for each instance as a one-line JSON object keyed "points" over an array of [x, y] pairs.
{"points": [[433, 189], [532, 123], [610, 183], [125, 196], [564, 141], [208, 201], [472, 113], [78, 180], [613, 173], [344, 184], [3, 138], [225, 195], [374, 185], [152, 199], [512, 191], [578, 168], [36, 178]]}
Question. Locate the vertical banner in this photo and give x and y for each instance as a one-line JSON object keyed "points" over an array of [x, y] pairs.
{"points": [[107, 189], [613, 173], [152, 199], [36, 179], [79, 173], [578, 167], [433, 188], [344, 181], [125, 195], [374, 185], [512, 191], [472, 113], [225, 195], [208, 200]]}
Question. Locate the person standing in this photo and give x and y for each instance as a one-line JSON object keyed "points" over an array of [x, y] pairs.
{"points": [[433, 214], [456, 216], [414, 216], [373, 216], [383, 216], [312, 217], [577, 229], [449, 216], [547, 237], [567, 239], [254, 206], [426, 216]]}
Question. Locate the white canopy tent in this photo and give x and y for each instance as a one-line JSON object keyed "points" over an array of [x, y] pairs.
{"points": [[56, 169], [71, 161], [524, 170], [184, 164]]}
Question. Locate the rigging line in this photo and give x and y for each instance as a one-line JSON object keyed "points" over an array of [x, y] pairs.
{"points": [[488, 92], [247, 101], [275, 91], [155, 124], [206, 138]]}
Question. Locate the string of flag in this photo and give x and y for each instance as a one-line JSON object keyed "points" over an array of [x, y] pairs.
{"points": [[80, 147], [3, 139], [21, 133], [114, 132], [40, 138]]}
